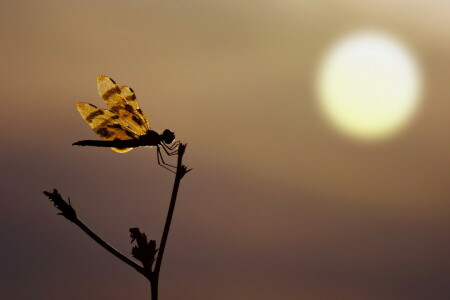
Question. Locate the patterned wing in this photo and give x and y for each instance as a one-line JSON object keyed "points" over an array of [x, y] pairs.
{"points": [[130, 97], [107, 124], [125, 109]]}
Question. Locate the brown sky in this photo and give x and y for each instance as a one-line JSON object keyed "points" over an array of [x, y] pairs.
{"points": [[279, 205]]}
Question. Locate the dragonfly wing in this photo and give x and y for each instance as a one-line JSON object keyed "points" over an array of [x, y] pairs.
{"points": [[106, 124], [127, 112], [130, 97]]}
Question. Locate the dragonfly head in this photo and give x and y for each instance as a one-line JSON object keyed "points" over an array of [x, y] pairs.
{"points": [[168, 136]]}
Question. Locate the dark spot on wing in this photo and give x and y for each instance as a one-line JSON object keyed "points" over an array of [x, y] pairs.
{"points": [[94, 114], [120, 110], [118, 126], [112, 91], [115, 117], [129, 108], [131, 97], [103, 132], [137, 120], [130, 134], [140, 111]]}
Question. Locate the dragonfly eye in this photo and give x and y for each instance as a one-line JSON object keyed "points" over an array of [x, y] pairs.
{"points": [[168, 136]]}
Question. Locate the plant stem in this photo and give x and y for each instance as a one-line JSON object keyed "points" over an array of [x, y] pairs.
{"points": [[108, 247], [181, 171], [154, 287]]}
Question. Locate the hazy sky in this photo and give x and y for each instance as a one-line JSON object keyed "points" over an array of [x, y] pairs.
{"points": [[279, 204]]}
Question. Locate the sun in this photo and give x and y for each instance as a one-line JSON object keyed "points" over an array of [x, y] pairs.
{"points": [[369, 86]]}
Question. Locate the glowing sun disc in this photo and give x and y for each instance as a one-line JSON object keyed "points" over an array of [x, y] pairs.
{"points": [[368, 86]]}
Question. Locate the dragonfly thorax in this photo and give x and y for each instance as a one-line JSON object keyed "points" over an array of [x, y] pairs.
{"points": [[153, 138]]}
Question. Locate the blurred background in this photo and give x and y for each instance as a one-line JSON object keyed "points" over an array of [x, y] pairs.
{"points": [[280, 204]]}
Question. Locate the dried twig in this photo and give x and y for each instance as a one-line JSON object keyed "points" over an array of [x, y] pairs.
{"points": [[144, 250], [69, 212]]}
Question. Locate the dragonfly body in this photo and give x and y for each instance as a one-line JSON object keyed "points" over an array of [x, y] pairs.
{"points": [[150, 138]]}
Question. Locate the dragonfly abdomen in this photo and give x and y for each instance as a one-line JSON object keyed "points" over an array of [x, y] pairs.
{"points": [[110, 144]]}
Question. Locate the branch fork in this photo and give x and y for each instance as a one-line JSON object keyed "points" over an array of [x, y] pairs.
{"points": [[144, 251]]}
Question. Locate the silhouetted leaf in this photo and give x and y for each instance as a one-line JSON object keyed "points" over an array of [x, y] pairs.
{"points": [[65, 208], [144, 251]]}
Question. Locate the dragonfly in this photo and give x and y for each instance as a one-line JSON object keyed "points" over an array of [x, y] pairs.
{"points": [[124, 126]]}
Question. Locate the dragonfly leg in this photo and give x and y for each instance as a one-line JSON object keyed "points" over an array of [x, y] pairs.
{"points": [[161, 161], [169, 151], [175, 145]]}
